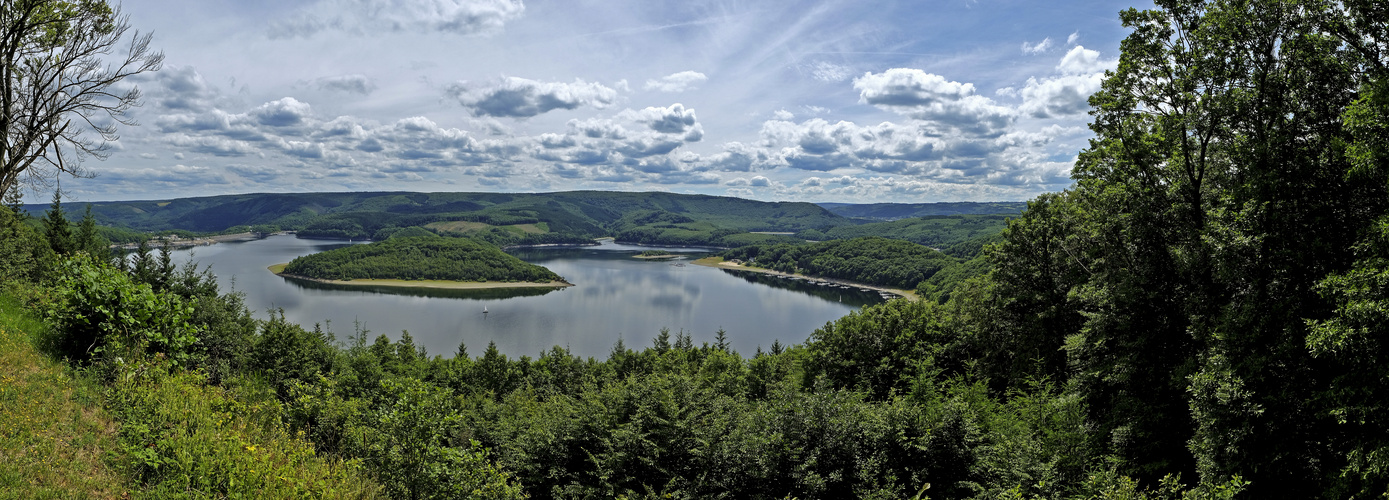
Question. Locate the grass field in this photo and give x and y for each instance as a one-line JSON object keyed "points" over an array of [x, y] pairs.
{"points": [[54, 434], [463, 226]]}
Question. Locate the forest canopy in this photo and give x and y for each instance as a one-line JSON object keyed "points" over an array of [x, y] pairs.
{"points": [[869, 260]]}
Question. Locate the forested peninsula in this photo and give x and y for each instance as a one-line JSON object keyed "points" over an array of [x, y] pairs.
{"points": [[420, 258], [868, 260]]}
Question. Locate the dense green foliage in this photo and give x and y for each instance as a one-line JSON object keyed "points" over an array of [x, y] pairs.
{"points": [[870, 260], [419, 258]]}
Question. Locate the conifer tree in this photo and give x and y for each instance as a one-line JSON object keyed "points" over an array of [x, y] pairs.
{"points": [[56, 227]]}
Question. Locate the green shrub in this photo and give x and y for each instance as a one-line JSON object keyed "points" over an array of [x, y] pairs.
{"points": [[188, 439], [98, 309]]}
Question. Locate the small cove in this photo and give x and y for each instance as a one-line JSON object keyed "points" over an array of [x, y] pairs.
{"points": [[615, 297]]}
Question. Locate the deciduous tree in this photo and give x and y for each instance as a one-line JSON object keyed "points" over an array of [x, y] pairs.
{"points": [[62, 63]]}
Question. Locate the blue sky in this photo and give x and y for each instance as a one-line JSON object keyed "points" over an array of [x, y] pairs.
{"points": [[843, 101]]}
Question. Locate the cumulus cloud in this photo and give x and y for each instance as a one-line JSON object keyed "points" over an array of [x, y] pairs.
{"points": [[678, 82], [819, 145], [1038, 48], [181, 88], [1061, 96], [932, 98], [782, 114], [281, 113], [374, 17], [674, 119], [756, 181], [520, 97], [1080, 60], [1082, 74], [348, 84]]}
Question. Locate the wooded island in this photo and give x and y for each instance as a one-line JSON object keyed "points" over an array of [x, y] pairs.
{"points": [[410, 261]]}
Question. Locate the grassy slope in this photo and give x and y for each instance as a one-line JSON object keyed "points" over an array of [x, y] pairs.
{"points": [[53, 431]]}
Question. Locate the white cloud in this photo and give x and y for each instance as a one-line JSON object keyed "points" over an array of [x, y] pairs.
{"points": [[1075, 37], [928, 97], [374, 17], [1061, 96], [281, 113], [520, 97], [1039, 48], [181, 88], [782, 114], [678, 82], [674, 119], [1082, 74], [1080, 60], [755, 181]]}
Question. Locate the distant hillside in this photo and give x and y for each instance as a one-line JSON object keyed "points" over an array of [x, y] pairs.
{"points": [[894, 211], [957, 235], [363, 215], [507, 219]]}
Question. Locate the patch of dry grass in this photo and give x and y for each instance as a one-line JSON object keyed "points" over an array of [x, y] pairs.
{"points": [[458, 226]]}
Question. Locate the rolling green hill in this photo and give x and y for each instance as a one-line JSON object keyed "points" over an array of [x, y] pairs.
{"points": [[361, 215], [958, 235], [507, 219], [894, 211]]}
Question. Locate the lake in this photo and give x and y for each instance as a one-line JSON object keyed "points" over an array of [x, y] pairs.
{"points": [[615, 296]]}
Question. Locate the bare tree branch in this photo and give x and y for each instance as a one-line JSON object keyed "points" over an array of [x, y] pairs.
{"points": [[60, 102]]}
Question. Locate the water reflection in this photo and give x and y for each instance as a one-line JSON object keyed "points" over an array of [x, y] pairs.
{"points": [[852, 296], [615, 296]]}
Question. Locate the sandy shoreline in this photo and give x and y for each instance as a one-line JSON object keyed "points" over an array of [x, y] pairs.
{"points": [[658, 257], [718, 262], [278, 269]]}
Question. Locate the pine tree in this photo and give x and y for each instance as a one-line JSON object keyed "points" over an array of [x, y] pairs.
{"points": [[56, 227], [88, 240]]}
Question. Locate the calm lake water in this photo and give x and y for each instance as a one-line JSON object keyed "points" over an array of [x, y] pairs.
{"points": [[615, 296]]}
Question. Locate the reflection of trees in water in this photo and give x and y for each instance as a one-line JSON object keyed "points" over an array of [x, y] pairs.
{"points": [[446, 293], [851, 296]]}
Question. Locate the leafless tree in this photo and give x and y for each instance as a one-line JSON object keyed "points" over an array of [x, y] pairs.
{"points": [[61, 65]]}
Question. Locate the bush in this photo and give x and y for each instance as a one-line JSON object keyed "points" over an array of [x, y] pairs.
{"points": [[188, 439], [98, 309]]}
